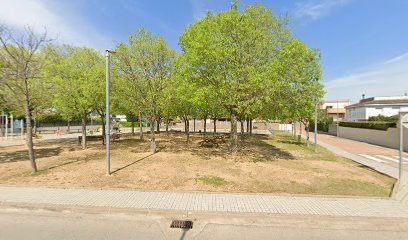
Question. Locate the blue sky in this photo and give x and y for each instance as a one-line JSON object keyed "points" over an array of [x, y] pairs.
{"points": [[364, 43]]}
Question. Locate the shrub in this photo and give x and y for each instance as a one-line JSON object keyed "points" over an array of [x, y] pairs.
{"points": [[369, 125], [129, 124], [381, 118], [323, 122]]}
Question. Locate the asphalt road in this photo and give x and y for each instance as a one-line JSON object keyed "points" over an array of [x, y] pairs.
{"points": [[17, 223]]}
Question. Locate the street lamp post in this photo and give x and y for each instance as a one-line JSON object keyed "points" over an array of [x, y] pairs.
{"points": [[315, 130], [107, 117]]}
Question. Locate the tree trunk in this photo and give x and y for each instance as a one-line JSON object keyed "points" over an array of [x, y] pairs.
{"points": [[250, 127], [205, 126], [247, 125], [194, 120], [103, 128], [84, 130], [29, 139], [152, 137], [158, 126], [307, 135], [133, 126], [140, 125], [69, 127], [234, 137], [294, 127], [167, 126], [187, 129], [215, 125], [242, 132]]}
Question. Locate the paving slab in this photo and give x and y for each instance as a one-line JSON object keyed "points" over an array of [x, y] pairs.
{"points": [[205, 202]]}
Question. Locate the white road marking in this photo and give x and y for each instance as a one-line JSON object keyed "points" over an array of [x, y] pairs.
{"points": [[372, 158], [405, 159], [388, 158]]}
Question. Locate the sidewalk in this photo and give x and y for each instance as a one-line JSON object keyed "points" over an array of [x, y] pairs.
{"points": [[204, 202], [384, 160]]}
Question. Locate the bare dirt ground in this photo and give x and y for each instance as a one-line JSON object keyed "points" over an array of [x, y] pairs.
{"points": [[267, 164]]}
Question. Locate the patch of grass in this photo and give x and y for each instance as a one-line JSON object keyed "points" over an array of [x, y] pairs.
{"points": [[357, 187], [38, 173], [212, 180]]}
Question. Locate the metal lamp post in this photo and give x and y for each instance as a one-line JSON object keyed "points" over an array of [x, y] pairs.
{"points": [[107, 117], [315, 130]]}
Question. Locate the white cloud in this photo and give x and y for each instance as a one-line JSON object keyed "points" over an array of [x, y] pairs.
{"points": [[388, 78], [39, 15], [315, 9]]}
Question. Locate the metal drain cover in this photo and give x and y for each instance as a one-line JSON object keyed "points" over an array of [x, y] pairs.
{"points": [[184, 224]]}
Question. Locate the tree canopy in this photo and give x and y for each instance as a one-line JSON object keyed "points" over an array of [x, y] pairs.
{"points": [[237, 65]]}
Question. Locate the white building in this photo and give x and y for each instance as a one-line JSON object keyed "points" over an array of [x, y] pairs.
{"points": [[335, 109], [374, 106]]}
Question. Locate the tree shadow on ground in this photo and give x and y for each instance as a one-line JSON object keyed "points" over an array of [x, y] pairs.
{"points": [[257, 148], [22, 155], [293, 142], [130, 164], [290, 139], [260, 149]]}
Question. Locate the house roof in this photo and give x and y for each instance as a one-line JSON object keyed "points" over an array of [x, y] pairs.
{"points": [[380, 101]]}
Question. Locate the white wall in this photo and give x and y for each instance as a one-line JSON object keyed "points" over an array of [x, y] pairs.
{"points": [[365, 112], [387, 138]]}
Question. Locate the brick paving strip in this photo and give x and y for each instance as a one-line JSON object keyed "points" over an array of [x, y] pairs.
{"points": [[208, 202]]}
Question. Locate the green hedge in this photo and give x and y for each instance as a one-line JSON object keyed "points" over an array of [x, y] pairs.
{"points": [[381, 118], [129, 124], [369, 125]]}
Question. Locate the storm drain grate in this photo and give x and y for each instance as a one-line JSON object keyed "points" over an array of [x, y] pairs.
{"points": [[185, 224]]}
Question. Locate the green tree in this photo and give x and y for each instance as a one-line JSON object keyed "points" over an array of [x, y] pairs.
{"points": [[231, 52], [78, 83], [23, 56], [145, 65], [300, 88]]}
